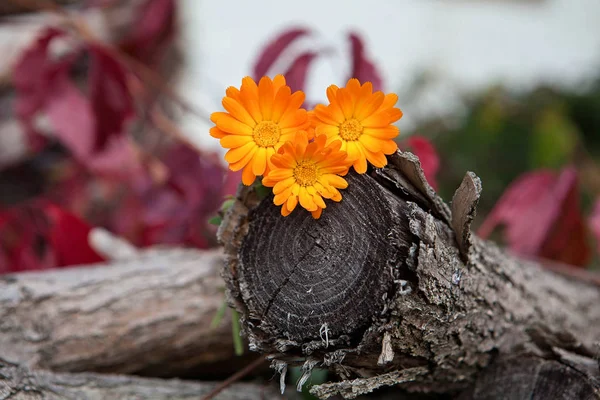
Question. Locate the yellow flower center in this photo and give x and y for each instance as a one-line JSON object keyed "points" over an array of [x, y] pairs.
{"points": [[266, 134], [305, 173], [351, 129]]}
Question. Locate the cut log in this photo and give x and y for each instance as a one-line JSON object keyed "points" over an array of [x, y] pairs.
{"points": [[19, 383], [390, 287], [150, 316]]}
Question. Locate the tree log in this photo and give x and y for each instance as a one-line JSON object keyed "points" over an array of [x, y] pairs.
{"points": [[389, 287], [19, 383], [150, 315]]}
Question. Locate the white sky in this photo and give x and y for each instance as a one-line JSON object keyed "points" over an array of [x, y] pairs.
{"points": [[466, 44]]}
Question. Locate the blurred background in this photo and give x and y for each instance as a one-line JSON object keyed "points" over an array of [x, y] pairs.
{"points": [[105, 105]]}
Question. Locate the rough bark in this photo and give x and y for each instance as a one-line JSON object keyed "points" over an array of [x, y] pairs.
{"points": [[150, 315], [442, 304], [19, 383]]}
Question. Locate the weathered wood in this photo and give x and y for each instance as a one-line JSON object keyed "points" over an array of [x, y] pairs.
{"points": [[453, 308], [536, 379], [289, 292], [150, 315], [20, 383]]}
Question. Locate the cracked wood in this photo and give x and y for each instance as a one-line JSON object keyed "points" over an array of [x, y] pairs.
{"points": [[150, 315], [452, 303], [19, 383]]}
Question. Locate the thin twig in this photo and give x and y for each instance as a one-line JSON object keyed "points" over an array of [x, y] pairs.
{"points": [[235, 377]]}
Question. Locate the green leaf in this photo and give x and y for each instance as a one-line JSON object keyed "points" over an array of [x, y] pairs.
{"points": [[317, 377], [554, 139], [219, 315], [215, 220], [227, 204], [261, 190]]}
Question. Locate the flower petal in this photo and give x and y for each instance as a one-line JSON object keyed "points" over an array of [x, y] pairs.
{"points": [[247, 176], [281, 102], [236, 154], [292, 202], [389, 147], [285, 211], [324, 115], [283, 184], [232, 141], [296, 118], [216, 132], [249, 97], [231, 125], [336, 181], [370, 143], [360, 165], [306, 200], [259, 162], [266, 95], [377, 159], [317, 213], [236, 166], [238, 111], [389, 132], [370, 106], [345, 102]]}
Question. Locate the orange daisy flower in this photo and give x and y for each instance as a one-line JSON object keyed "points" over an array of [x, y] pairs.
{"points": [[259, 120], [306, 173], [362, 121]]}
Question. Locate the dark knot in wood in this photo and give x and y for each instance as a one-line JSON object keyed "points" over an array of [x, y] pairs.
{"points": [[309, 279]]}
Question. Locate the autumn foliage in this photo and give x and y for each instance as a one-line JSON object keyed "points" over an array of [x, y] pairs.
{"points": [[94, 115]]}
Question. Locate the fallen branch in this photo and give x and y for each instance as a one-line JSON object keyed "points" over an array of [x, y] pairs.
{"points": [[150, 315], [17, 382], [390, 287]]}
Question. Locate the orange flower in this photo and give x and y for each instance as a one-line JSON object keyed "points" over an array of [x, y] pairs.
{"points": [[362, 121], [259, 120], [307, 172]]}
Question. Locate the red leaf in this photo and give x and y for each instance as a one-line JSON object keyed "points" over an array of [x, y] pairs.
{"points": [[153, 29], [32, 75], [296, 74], [176, 212], [82, 125], [273, 50], [43, 84], [430, 161], [118, 160], [41, 235], [542, 217], [22, 245], [594, 223], [111, 100], [68, 238], [362, 68], [70, 114]]}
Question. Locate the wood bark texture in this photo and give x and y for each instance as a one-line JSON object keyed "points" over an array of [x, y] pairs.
{"points": [[19, 383], [150, 315], [389, 287]]}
